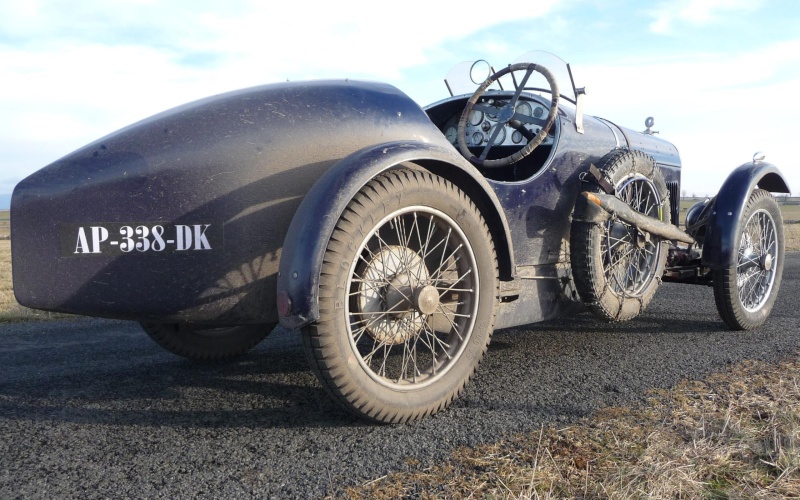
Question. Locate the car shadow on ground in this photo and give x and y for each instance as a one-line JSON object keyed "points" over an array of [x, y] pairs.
{"points": [[97, 372], [267, 387], [134, 382]]}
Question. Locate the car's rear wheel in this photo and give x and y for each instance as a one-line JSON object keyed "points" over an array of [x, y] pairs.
{"points": [[617, 268], [204, 343], [745, 292], [407, 298]]}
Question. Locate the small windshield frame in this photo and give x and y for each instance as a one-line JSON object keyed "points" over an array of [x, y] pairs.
{"points": [[461, 79]]}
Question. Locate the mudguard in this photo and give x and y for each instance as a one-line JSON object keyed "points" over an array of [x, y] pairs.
{"points": [[726, 215], [315, 219]]}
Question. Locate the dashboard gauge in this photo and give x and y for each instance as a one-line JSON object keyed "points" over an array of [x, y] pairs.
{"points": [[493, 116], [475, 117], [538, 112], [523, 108], [516, 137], [501, 136], [477, 138], [452, 134]]}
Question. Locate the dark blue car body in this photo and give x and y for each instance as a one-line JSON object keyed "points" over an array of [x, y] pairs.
{"points": [[253, 182]]}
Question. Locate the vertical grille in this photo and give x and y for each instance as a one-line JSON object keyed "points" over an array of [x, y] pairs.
{"points": [[675, 201]]}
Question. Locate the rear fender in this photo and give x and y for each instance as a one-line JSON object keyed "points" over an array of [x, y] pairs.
{"points": [[315, 219], [725, 219]]}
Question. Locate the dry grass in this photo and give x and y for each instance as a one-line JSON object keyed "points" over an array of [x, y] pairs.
{"points": [[791, 212], [735, 435], [5, 227], [10, 310], [791, 237]]}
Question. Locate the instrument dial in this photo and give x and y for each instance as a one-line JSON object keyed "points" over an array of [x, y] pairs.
{"points": [[475, 117], [477, 138], [452, 134], [524, 108]]}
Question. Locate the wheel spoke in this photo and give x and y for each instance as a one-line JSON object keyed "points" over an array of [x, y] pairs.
{"points": [[450, 289], [438, 271], [394, 342], [757, 246], [453, 325], [628, 265]]}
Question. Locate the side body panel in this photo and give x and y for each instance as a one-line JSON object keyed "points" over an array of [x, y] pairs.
{"points": [[540, 210], [239, 163]]}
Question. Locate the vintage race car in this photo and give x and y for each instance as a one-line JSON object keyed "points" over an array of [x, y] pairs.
{"points": [[395, 238]]}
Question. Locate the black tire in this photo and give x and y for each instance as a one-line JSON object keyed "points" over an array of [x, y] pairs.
{"points": [[407, 297], [745, 292], [616, 268], [206, 343]]}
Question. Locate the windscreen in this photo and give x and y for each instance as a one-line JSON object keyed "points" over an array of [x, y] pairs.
{"points": [[465, 77]]}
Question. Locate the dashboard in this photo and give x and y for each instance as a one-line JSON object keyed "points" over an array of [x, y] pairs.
{"points": [[481, 125]]}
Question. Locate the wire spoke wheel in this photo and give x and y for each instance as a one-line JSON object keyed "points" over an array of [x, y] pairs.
{"points": [[412, 297], [407, 298], [617, 267], [630, 257], [757, 256], [745, 292]]}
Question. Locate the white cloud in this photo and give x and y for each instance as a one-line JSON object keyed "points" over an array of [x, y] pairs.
{"points": [[74, 71], [717, 109], [696, 12]]}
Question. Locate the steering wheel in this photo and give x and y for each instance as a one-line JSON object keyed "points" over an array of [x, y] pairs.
{"points": [[508, 115]]}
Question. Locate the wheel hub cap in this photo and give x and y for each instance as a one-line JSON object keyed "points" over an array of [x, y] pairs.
{"points": [[427, 299]]}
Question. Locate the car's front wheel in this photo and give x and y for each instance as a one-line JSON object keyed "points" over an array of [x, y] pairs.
{"points": [[407, 298], [746, 290]]}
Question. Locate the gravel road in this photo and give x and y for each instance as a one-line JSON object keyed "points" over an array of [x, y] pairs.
{"points": [[93, 408]]}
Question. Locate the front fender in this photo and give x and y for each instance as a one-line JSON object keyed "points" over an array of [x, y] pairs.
{"points": [[726, 215], [315, 219]]}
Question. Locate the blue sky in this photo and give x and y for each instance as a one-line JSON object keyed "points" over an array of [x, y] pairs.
{"points": [[719, 76]]}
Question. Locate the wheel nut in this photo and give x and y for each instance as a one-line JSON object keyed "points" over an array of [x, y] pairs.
{"points": [[427, 299]]}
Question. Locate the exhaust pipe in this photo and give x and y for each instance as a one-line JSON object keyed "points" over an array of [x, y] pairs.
{"points": [[625, 213]]}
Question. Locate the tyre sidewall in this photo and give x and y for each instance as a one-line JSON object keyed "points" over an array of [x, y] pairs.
{"points": [[417, 189], [741, 318], [586, 238]]}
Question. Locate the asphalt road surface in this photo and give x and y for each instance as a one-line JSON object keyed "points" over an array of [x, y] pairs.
{"points": [[93, 408]]}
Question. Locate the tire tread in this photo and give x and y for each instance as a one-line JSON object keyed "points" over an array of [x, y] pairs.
{"points": [[328, 369]]}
